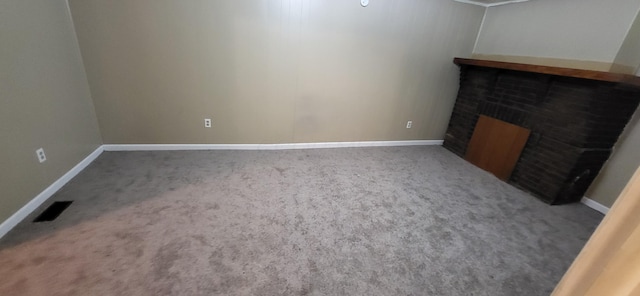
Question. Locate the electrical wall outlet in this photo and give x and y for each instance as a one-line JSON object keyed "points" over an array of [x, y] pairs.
{"points": [[207, 122], [409, 123], [41, 157]]}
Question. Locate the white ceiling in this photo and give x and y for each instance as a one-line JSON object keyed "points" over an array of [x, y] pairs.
{"points": [[490, 3]]}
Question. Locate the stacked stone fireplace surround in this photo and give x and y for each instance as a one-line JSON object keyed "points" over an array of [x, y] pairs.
{"points": [[574, 124]]}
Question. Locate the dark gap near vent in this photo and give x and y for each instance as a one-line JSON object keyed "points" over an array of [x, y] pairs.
{"points": [[53, 211]]}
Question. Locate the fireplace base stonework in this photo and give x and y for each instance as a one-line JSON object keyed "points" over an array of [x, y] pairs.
{"points": [[574, 124]]}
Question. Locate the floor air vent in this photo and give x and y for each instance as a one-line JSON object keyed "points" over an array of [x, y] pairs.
{"points": [[53, 211]]}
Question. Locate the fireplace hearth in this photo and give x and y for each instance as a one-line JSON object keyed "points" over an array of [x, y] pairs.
{"points": [[575, 118]]}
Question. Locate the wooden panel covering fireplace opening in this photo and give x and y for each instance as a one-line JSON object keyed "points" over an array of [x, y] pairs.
{"points": [[495, 146]]}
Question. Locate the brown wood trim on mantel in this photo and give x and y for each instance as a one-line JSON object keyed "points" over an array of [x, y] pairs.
{"points": [[558, 71]]}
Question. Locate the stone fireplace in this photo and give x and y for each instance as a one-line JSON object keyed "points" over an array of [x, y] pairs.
{"points": [[575, 118]]}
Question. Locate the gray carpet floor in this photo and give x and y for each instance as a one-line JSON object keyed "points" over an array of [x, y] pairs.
{"points": [[352, 221]]}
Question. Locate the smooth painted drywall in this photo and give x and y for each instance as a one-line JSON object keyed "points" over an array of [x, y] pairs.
{"points": [[628, 57], [620, 167], [44, 100], [273, 71], [581, 30]]}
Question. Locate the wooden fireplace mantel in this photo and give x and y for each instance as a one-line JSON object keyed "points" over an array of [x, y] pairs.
{"points": [[558, 71]]}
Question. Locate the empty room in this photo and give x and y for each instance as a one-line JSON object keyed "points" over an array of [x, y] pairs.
{"points": [[319, 147]]}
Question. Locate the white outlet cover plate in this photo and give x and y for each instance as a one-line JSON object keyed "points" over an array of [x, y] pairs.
{"points": [[41, 156]]}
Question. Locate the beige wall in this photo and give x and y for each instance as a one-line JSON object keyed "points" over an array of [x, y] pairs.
{"points": [[628, 57], [585, 31], [44, 100], [273, 71]]}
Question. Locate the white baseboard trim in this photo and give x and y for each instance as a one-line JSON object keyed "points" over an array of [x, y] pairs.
{"points": [[156, 147], [492, 4], [23, 212], [594, 205]]}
